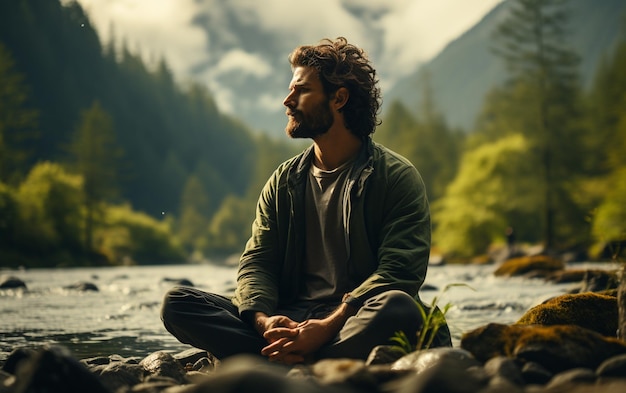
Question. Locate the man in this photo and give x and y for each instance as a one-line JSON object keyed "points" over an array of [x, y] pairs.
{"points": [[341, 238]]}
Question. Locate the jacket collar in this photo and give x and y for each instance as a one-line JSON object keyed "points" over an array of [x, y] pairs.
{"points": [[362, 169]]}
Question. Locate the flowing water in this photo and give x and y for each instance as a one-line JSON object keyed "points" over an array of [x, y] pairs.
{"points": [[122, 317]]}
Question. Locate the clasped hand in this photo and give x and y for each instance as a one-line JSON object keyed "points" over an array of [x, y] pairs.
{"points": [[290, 341]]}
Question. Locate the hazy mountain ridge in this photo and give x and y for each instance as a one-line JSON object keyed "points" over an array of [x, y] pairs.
{"points": [[466, 69]]}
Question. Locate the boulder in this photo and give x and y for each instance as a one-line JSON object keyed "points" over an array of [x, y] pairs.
{"points": [[557, 348], [53, 369], [11, 282], [590, 310], [599, 280], [82, 286], [196, 359], [383, 354], [178, 281], [16, 357], [567, 276], [163, 364], [537, 266], [118, 375], [420, 361], [246, 373]]}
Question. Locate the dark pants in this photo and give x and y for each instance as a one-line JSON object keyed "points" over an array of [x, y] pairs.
{"points": [[211, 322]]}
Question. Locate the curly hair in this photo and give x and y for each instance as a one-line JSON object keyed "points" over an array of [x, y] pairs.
{"points": [[340, 64]]}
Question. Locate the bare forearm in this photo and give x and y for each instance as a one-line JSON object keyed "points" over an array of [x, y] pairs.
{"points": [[259, 321], [338, 318]]}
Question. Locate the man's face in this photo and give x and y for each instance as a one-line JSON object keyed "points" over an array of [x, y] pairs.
{"points": [[308, 108]]}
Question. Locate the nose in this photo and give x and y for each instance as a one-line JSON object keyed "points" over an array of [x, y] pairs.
{"points": [[289, 101]]}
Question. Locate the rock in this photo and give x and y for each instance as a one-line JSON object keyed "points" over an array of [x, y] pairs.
{"points": [[589, 310], [153, 386], [197, 359], [420, 361], [178, 281], [246, 373], [203, 365], [82, 286], [163, 364], [567, 276], [53, 369], [500, 384], [613, 367], [599, 280], [538, 265], [16, 357], [504, 367], [575, 375], [344, 372], [117, 375], [519, 368], [442, 378], [557, 348], [383, 354], [535, 373], [11, 282], [6, 381]]}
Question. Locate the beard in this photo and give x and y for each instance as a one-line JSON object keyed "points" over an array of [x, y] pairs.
{"points": [[312, 124]]}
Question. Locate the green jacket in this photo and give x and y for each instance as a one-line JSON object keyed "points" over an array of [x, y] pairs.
{"points": [[387, 218]]}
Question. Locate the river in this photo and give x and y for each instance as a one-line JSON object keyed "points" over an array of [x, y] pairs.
{"points": [[122, 317]]}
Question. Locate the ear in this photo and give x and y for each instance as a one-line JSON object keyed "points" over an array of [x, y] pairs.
{"points": [[341, 98]]}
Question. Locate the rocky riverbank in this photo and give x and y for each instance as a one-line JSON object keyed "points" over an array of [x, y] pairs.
{"points": [[566, 344], [582, 362]]}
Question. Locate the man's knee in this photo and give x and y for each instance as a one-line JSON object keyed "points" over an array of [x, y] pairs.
{"points": [[398, 302], [172, 298]]}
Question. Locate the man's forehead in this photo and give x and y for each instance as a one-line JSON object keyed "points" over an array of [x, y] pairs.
{"points": [[303, 75]]}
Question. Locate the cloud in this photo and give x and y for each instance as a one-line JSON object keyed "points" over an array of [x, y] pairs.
{"points": [[242, 62], [156, 28], [416, 31], [214, 41]]}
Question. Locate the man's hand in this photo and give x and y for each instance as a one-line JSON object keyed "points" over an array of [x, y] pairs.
{"points": [[263, 323], [289, 348]]}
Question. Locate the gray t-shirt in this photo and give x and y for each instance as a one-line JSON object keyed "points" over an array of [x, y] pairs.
{"points": [[326, 254]]}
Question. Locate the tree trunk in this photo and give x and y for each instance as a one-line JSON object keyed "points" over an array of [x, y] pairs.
{"points": [[621, 304]]}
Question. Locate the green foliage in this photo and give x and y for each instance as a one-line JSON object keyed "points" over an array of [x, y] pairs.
{"points": [[95, 156], [50, 218], [18, 121], [495, 187], [426, 141], [230, 227], [59, 53], [129, 236], [606, 142], [193, 222], [609, 221], [43, 220], [607, 120], [531, 41], [433, 319], [8, 214]]}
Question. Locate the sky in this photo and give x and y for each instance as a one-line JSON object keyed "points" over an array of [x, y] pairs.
{"points": [[234, 45]]}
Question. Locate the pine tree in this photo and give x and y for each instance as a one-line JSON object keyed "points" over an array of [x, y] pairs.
{"points": [[532, 43], [96, 156], [18, 122]]}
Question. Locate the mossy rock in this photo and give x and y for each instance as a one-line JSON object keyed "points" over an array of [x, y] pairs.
{"points": [[557, 348], [567, 276], [538, 266], [590, 310]]}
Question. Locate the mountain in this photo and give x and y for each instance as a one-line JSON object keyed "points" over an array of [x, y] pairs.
{"points": [[462, 73], [168, 133]]}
